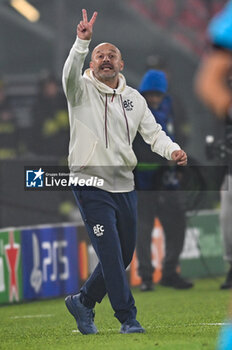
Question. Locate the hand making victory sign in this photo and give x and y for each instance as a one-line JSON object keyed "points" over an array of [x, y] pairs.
{"points": [[85, 28]]}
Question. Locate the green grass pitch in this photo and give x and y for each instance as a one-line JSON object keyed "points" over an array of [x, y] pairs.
{"points": [[174, 320]]}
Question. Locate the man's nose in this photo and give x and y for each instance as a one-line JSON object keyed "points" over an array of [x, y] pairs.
{"points": [[106, 59]]}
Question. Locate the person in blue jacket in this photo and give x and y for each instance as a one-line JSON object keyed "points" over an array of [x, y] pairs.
{"points": [[211, 84], [164, 204]]}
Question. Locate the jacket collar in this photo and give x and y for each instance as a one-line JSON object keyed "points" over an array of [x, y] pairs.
{"points": [[103, 87]]}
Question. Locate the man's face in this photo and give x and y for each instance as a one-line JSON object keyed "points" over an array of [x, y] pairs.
{"points": [[154, 99], [106, 62]]}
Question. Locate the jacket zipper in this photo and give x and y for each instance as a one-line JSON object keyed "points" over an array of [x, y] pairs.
{"points": [[113, 95], [106, 136], [124, 113]]}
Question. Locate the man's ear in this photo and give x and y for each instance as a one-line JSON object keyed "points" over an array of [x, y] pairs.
{"points": [[91, 65], [121, 65]]}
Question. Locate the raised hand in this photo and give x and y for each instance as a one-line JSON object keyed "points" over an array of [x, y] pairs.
{"points": [[85, 28]]}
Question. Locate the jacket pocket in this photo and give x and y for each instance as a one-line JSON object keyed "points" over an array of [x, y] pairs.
{"points": [[128, 156], [82, 146]]}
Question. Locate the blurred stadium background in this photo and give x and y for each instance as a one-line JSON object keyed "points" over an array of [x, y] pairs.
{"points": [[34, 44], [34, 48]]}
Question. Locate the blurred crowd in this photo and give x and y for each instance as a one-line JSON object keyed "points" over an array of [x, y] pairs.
{"points": [[8, 127], [48, 130]]}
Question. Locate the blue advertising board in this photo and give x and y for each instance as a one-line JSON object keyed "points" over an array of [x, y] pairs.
{"points": [[49, 261]]}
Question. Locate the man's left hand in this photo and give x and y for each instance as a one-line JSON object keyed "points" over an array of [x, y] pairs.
{"points": [[180, 157]]}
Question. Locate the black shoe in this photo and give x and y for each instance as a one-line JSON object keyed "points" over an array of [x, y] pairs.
{"points": [[147, 286], [228, 282], [83, 315], [131, 326], [175, 281]]}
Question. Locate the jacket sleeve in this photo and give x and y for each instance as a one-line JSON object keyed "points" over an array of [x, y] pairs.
{"points": [[72, 73], [153, 134]]}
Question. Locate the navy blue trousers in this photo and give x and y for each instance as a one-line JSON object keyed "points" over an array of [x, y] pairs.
{"points": [[110, 219]]}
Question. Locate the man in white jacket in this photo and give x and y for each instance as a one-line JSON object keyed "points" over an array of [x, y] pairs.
{"points": [[105, 115]]}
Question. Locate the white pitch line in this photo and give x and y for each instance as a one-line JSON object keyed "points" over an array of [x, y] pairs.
{"points": [[191, 325], [107, 330], [32, 316], [187, 325], [215, 324]]}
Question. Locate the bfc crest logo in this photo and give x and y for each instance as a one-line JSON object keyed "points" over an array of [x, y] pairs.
{"points": [[98, 230], [35, 179], [128, 105]]}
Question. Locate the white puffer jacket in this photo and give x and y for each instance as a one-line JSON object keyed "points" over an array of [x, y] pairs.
{"points": [[104, 123]]}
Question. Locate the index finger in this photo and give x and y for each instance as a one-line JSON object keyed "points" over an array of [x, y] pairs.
{"points": [[84, 14], [93, 19]]}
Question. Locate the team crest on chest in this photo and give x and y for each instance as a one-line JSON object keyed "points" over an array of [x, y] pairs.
{"points": [[128, 105]]}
